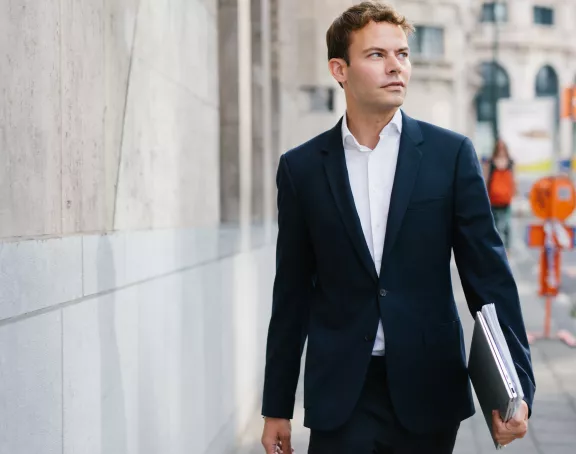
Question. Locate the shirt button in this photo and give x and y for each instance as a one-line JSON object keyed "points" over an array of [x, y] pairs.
{"points": [[383, 292]]}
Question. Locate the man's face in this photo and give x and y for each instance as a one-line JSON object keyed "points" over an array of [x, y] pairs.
{"points": [[379, 69]]}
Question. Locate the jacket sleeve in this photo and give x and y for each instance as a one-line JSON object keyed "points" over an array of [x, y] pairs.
{"points": [[482, 263], [290, 301]]}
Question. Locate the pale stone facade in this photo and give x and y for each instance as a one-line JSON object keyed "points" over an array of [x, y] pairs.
{"points": [[139, 141], [525, 47]]}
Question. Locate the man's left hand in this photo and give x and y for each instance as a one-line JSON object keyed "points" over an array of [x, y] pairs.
{"points": [[516, 427]]}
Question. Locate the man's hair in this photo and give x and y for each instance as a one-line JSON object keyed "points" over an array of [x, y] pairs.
{"points": [[357, 17]]}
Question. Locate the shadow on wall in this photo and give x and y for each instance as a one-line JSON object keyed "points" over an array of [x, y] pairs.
{"points": [[226, 307], [113, 436]]}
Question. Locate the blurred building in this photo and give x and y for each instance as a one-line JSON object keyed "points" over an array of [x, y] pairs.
{"points": [[524, 50], [465, 53]]}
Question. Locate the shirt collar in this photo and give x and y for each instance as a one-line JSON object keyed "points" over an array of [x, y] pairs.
{"points": [[395, 126]]}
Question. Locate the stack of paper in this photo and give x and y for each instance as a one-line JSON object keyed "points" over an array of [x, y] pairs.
{"points": [[492, 370]]}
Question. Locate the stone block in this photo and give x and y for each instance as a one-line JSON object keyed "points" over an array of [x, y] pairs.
{"points": [[35, 275], [83, 110], [31, 384], [160, 175], [30, 118], [101, 408]]}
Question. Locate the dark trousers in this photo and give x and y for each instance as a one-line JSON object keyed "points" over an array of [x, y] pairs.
{"points": [[374, 429]]}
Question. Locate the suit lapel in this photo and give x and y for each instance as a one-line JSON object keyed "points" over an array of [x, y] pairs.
{"points": [[406, 171], [337, 174]]}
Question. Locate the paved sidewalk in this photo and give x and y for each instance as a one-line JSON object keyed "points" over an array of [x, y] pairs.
{"points": [[552, 429]]}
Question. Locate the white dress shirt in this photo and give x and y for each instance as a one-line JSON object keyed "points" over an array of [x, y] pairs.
{"points": [[371, 174]]}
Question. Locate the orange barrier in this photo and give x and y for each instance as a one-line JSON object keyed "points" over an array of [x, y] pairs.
{"points": [[553, 200]]}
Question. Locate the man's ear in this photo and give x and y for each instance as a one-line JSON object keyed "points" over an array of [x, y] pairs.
{"points": [[338, 69]]}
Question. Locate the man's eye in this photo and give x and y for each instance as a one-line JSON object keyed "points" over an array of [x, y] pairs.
{"points": [[377, 54]]}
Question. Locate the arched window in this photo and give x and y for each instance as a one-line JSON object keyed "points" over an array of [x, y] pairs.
{"points": [[546, 82], [496, 83], [547, 86]]}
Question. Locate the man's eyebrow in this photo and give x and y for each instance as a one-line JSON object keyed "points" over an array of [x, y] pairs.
{"points": [[384, 51]]}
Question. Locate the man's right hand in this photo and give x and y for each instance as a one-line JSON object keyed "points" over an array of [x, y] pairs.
{"points": [[276, 436]]}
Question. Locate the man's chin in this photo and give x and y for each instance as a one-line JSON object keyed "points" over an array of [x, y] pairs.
{"points": [[389, 103]]}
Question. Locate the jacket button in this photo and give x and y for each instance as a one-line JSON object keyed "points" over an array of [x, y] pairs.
{"points": [[383, 292], [368, 338]]}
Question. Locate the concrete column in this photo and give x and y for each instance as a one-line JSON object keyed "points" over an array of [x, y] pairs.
{"points": [[245, 100], [275, 96], [235, 67], [261, 110], [268, 185], [287, 71]]}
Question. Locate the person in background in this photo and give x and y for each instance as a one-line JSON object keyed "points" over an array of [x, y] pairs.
{"points": [[501, 185]]}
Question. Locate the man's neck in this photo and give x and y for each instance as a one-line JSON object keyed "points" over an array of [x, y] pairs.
{"points": [[366, 127]]}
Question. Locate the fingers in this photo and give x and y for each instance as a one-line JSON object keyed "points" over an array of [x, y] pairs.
{"points": [[285, 443], [518, 427], [269, 444], [505, 433], [276, 436], [501, 434], [280, 450], [277, 445]]}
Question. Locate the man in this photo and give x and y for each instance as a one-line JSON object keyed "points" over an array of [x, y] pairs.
{"points": [[368, 215]]}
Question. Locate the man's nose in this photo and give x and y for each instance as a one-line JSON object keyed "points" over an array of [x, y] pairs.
{"points": [[393, 65]]}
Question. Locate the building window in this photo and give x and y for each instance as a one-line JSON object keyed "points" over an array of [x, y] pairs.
{"points": [[427, 42], [320, 99], [494, 11], [546, 82], [543, 15], [496, 85], [547, 86]]}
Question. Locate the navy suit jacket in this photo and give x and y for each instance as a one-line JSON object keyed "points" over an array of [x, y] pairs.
{"points": [[327, 289]]}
